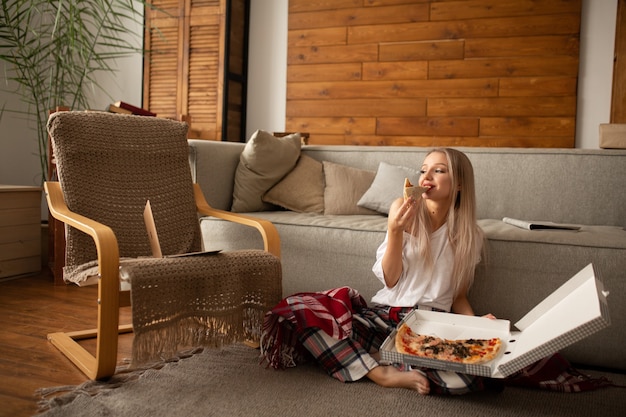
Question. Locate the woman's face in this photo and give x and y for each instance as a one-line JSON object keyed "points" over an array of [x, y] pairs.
{"points": [[435, 175]]}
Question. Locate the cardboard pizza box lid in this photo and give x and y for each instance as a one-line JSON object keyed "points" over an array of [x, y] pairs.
{"points": [[574, 311]]}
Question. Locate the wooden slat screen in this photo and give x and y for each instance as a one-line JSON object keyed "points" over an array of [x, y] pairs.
{"points": [[185, 69], [161, 65], [205, 81], [434, 73], [183, 76], [162, 85]]}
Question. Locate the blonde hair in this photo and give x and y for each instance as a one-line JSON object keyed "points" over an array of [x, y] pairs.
{"points": [[466, 238]]}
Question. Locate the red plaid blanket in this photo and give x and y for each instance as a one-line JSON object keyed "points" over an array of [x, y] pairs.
{"points": [[555, 373], [330, 311]]}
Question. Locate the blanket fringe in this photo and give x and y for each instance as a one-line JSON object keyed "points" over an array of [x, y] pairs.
{"points": [[279, 345], [159, 341]]}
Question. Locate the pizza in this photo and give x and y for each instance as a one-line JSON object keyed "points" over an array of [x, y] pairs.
{"points": [[467, 351], [411, 190]]}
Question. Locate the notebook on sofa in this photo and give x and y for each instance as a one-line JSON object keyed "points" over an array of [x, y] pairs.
{"points": [[153, 237], [533, 225]]}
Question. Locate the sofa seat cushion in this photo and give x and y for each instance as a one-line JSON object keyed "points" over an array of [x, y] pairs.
{"points": [[612, 237], [340, 250], [591, 236], [361, 222]]}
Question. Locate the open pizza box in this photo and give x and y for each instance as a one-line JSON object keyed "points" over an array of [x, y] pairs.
{"points": [[574, 311]]}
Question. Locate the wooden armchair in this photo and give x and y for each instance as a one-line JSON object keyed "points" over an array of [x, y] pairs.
{"points": [[108, 166]]}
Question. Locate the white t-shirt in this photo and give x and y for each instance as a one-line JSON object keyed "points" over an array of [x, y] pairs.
{"points": [[418, 284]]}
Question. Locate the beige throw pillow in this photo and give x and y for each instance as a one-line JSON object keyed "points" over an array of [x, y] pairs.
{"points": [[302, 190], [265, 160], [344, 188]]}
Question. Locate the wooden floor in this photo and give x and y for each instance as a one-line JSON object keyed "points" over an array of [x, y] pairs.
{"points": [[30, 308]]}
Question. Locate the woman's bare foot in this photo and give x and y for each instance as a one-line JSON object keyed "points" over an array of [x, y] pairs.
{"points": [[391, 377]]}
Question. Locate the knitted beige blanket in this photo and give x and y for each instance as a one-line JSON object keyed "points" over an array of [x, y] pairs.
{"points": [[207, 300]]}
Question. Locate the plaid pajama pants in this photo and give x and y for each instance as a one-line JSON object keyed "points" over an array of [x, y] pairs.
{"points": [[350, 360]]}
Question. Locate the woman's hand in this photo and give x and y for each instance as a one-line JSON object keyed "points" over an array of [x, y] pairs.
{"points": [[489, 316], [401, 215]]}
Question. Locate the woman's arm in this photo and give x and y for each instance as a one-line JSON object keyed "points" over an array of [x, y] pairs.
{"points": [[401, 214], [461, 305]]}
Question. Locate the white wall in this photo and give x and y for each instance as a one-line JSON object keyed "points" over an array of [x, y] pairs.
{"points": [[267, 86], [267, 69], [595, 78]]}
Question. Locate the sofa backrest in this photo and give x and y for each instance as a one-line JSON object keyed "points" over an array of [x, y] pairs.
{"points": [[580, 186], [213, 166]]}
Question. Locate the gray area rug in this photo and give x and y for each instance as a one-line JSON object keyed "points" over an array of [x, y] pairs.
{"points": [[231, 382]]}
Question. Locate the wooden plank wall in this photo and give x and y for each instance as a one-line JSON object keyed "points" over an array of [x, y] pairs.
{"points": [[434, 73]]}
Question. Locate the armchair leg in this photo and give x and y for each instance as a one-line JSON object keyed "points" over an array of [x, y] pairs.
{"points": [[103, 364], [95, 367]]}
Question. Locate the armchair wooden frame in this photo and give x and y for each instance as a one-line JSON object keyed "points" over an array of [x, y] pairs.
{"points": [[110, 298]]}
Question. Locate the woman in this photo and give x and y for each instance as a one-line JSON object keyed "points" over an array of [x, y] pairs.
{"points": [[427, 260]]}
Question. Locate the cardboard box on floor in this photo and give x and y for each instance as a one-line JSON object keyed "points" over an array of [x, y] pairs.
{"points": [[574, 311]]}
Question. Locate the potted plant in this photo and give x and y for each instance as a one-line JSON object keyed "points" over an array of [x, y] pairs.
{"points": [[54, 50]]}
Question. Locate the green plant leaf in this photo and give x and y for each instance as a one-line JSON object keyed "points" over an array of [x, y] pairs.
{"points": [[53, 49]]}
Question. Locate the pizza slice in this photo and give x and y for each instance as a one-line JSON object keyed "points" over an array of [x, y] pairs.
{"points": [[466, 351], [411, 190]]}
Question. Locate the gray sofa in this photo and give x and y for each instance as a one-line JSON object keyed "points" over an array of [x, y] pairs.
{"points": [[574, 186]]}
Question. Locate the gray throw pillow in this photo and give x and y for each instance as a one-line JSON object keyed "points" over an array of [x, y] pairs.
{"points": [[387, 186]]}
